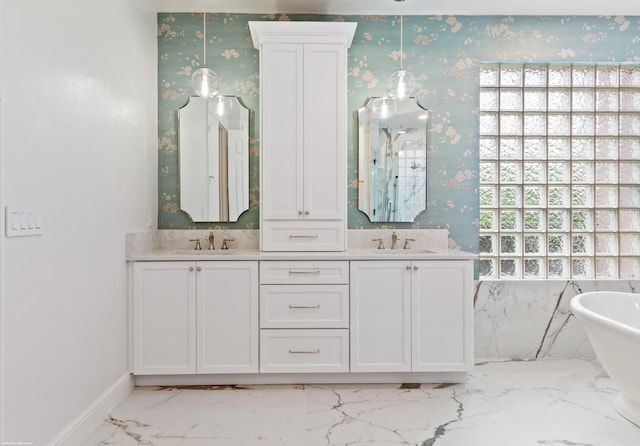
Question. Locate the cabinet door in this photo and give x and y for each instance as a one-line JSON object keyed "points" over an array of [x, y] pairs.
{"points": [[380, 316], [227, 317], [281, 87], [325, 122], [442, 315], [164, 316]]}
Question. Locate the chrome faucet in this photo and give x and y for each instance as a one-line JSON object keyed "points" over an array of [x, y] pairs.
{"points": [[380, 244], [394, 240], [224, 243], [210, 238], [197, 240], [406, 243]]}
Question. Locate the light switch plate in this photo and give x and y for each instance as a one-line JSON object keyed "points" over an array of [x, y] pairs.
{"points": [[22, 222]]}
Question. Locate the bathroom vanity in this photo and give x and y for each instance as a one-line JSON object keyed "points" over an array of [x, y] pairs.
{"points": [[245, 316]]}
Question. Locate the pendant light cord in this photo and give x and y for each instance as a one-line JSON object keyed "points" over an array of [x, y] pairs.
{"points": [[401, 33], [204, 32]]}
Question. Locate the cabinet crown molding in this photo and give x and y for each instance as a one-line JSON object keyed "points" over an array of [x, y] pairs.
{"points": [[302, 32]]}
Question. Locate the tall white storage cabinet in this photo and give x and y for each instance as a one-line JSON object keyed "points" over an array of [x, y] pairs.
{"points": [[303, 113]]}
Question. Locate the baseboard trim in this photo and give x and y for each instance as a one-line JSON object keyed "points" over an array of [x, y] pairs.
{"points": [[301, 378], [89, 419]]}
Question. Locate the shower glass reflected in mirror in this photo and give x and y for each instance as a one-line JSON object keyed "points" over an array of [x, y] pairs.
{"points": [[392, 161], [213, 150]]}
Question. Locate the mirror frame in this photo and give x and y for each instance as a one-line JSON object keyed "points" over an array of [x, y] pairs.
{"points": [[412, 119], [202, 199]]}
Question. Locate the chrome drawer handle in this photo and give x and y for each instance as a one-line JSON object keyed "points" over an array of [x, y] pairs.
{"points": [[304, 273], [312, 307], [303, 236], [303, 352]]}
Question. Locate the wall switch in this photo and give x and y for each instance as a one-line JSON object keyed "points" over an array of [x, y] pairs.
{"points": [[21, 221]]}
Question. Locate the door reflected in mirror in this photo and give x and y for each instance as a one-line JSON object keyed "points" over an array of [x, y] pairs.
{"points": [[213, 150], [392, 162]]}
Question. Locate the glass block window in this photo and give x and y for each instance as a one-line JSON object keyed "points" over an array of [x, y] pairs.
{"points": [[559, 171]]}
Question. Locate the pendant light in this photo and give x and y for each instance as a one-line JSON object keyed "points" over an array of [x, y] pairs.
{"points": [[204, 80], [402, 83]]}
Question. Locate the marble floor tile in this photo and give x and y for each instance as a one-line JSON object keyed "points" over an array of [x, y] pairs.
{"points": [[515, 403]]}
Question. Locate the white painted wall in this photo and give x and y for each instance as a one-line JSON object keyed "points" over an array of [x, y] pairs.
{"points": [[78, 142]]}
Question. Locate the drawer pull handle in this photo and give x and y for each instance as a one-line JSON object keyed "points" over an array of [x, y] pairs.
{"points": [[312, 307], [303, 352], [304, 273], [303, 236]]}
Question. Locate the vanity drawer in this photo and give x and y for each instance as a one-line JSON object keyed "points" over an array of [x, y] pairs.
{"points": [[303, 236], [307, 272], [304, 306], [295, 351]]}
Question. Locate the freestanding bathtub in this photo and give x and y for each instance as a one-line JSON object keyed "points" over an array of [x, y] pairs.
{"points": [[612, 321]]}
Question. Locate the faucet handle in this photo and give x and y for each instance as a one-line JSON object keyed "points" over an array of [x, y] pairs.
{"points": [[406, 243], [380, 244], [197, 240], [224, 243]]}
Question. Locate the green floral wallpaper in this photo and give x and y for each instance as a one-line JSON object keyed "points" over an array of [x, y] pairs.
{"points": [[444, 52]]}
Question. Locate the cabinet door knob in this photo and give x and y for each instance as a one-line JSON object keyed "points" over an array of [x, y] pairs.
{"points": [[306, 212], [300, 212], [408, 268], [415, 268], [191, 268], [198, 269]]}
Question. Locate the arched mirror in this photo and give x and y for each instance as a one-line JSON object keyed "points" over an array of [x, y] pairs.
{"points": [[214, 159], [392, 155]]}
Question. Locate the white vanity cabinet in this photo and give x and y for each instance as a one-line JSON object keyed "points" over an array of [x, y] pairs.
{"points": [[304, 316], [195, 317], [411, 316], [303, 114], [164, 318]]}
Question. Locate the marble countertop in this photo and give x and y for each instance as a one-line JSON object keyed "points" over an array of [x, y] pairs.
{"points": [[249, 254], [167, 245]]}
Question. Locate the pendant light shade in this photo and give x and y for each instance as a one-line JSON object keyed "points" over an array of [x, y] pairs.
{"points": [[402, 83], [383, 107], [204, 80]]}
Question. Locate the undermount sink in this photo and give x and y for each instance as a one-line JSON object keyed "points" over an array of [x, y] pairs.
{"points": [[207, 252], [403, 251], [398, 252]]}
